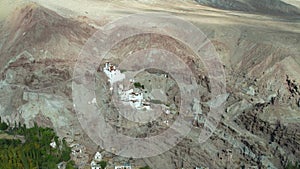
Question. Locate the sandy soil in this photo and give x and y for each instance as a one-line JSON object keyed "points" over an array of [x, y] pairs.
{"points": [[7, 7], [188, 9], [293, 2]]}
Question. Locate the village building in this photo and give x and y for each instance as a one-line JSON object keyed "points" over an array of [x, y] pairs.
{"points": [[76, 149], [53, 144], [123, 167], [135, 99], [94, 165], [98, 157], [112, 73]]}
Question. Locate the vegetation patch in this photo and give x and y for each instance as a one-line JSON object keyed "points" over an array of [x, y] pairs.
{"points": [[138, 85], [34, 151], [290, 165], [146, 167]]}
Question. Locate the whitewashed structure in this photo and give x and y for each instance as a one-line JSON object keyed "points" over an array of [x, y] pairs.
{"points": [[112, 73], [123, 167], [94, 165], [53, 144], [98, 157], [135, 99]]}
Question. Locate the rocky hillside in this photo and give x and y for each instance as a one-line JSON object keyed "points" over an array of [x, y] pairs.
{"points": [[261, 120], [38, 51], [274, 7]]}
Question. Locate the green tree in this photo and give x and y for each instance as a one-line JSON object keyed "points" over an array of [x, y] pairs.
{"points": [[146, 167], [103, 164], [35, 153], [138, 85], [3, 126], [70, 165]]}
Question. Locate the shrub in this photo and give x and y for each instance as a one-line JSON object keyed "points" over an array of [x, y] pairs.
{"points": [[3, 126], [138, 85], [146, 167], [290, 165], [103, 164], [70, 165]]}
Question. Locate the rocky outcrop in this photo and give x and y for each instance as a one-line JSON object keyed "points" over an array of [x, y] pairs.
{"points": [[281, 139]]}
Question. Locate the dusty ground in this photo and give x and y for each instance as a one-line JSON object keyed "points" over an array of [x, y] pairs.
{"points": [[39, 45]]}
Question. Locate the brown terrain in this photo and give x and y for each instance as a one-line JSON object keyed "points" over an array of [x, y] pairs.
{"points": [[260, 128]]}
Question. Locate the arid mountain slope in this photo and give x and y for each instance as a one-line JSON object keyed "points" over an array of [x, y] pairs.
{"points": [[259, 127], [273, 7], [38, 49]]}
